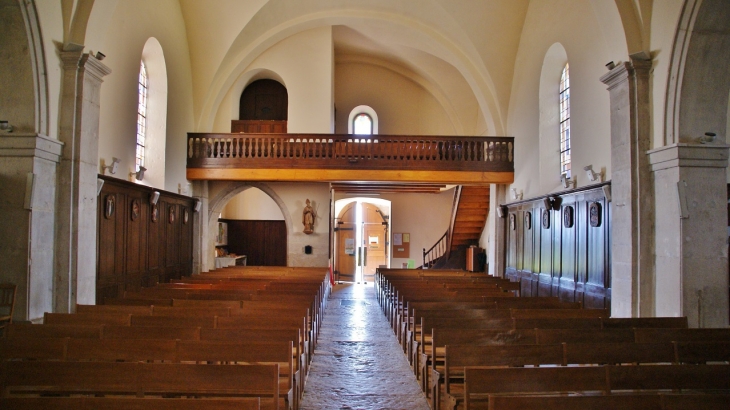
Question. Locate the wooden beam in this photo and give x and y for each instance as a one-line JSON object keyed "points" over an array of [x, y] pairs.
{"points": [[345, 175]]}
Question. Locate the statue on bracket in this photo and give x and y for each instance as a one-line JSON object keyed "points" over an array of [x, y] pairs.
{"points": [[308, 217]]}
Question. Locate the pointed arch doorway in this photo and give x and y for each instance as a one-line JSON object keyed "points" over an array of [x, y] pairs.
{"points": [[361, 238]]}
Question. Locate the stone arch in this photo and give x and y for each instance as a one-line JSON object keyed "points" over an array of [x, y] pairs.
{"points": [[699, 82], [216, 204], [244, 80], [251, 42], [549, 132]]}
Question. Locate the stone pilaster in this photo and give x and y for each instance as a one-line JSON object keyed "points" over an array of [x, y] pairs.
{"points": [[497, 247], [632, 230], [27, 255], [691, 236], [201, 255], [75, 278]]}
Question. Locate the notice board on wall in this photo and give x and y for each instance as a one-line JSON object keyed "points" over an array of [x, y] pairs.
{"points": [[401, 245]]}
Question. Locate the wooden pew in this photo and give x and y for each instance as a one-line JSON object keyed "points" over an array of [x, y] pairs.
{"points": [[87, 319], [237, 352], [481, 382], [141, 379], [151, 332], [124, 403], [632, 401], [53, 331], [682, 335], [458, 357]]}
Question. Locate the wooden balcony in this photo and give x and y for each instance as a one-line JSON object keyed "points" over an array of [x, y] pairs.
{"points": [[337, 158]]}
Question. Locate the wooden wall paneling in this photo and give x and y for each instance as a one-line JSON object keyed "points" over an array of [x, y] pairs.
{"points": [[136, 243], [568, 255], [172, 258], [139, 252], [597, 252], [572, 263], [263, 242], [186, 240], [545, 279], [109, 264], [155, 244], [581, 243]]}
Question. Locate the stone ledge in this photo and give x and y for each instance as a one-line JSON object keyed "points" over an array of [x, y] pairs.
{"points": [[30, 145], [688, 155]]}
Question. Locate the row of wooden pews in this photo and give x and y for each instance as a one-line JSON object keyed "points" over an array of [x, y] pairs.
{"points": [[482, 349], [238, 337]]}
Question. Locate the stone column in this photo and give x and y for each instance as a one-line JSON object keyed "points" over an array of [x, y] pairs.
{"points": [[27, 224], [632, 230], [75, 279], [200, 228], [497, 248], [691, 233]]}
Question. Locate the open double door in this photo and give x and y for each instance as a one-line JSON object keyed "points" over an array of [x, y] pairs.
{"points": [[361, 243]]}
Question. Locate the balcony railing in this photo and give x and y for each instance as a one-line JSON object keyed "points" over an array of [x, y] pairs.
{"points": [[329, 151]]}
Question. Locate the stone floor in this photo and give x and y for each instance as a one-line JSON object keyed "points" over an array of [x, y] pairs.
{"points": [[358, 363]]}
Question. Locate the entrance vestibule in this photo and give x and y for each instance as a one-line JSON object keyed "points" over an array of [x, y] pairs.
{"points": [[361, 238]]}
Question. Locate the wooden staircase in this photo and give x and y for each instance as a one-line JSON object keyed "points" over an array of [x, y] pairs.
{"points": [[471, 216]]}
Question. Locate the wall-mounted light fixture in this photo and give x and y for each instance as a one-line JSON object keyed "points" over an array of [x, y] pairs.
{"points": [[99, 55], [517, 196], [592, 175], [154, 197], [99, 185], [5, 126], [139, 175], [501, 211], [566, 181], [198, 205], [112, 168], [708, 137], [552, 203], [610, 65]]}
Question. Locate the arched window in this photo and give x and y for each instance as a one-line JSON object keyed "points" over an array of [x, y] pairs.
{"points": [[565, 122], [362, 124], [363, 120], [141, 115]]}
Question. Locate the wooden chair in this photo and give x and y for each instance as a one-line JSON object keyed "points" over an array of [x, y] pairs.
{"points": [[7, 304]]}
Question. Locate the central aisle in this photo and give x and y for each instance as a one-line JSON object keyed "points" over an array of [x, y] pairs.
{"points": [[358, 363]]}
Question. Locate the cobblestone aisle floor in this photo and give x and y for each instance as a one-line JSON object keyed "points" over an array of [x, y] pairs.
{"points": [[358, 363]]}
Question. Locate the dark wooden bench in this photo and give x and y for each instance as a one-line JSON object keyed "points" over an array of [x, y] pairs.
{"points": [[687, 401], [479, 383], [124, 403], [141, 379]]}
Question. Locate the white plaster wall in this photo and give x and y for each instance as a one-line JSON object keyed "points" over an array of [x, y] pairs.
{"points": [[17, 101], [591, 36], [665, 17], [252, 204], [403, 106], [425, 216], [122, 38], [303, 62]]}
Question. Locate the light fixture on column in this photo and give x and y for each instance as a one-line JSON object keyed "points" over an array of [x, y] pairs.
{"points": [[112, 168], [592, 175], [5, 126], [708, 137], [566, 181], [516, 195], [610, 65], [139, 175], [198, 205]]}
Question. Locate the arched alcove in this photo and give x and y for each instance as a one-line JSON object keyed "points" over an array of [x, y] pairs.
{"points": [[217, 204], [549, 129]]}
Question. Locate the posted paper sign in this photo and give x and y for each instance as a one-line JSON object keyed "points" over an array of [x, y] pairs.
{"points": [[350, 246]]}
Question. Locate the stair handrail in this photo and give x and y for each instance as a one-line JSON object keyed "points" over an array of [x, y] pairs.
{"points": [[430, 256], [437, 251], [452, 222]]}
